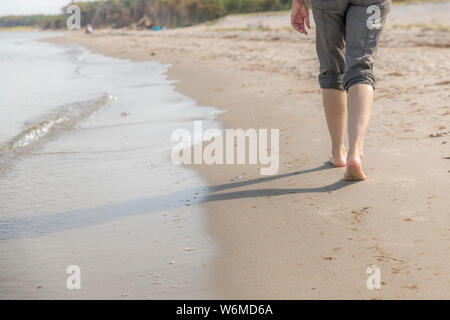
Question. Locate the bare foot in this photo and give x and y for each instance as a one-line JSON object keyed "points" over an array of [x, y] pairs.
{"points": [[338, 160], [354, 169]]}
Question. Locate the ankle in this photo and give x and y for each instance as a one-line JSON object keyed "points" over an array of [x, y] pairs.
{"points": [[338, 151], [354, 154]]}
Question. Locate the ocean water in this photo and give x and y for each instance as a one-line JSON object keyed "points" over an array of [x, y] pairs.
{"points": [[80, 131], [86, 177]]}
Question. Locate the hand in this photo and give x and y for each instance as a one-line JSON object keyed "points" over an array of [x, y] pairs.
{"points": [[300, 16]]}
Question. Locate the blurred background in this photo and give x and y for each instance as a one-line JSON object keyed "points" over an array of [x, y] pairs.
{"points": [[50, 14]]}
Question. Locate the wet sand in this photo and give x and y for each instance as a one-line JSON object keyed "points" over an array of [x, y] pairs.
{"points": [[305, 233], [87, 181]]}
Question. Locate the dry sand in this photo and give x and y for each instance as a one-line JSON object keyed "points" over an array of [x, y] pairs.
{"points": [[305, 233]]}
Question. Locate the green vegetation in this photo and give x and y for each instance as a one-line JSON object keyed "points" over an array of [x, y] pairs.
{"points": [[122, 13], [43, 21], [169, 13], [245, 6]]}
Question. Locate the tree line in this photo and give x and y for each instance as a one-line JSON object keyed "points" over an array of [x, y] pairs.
{"points": [[169, 13]]}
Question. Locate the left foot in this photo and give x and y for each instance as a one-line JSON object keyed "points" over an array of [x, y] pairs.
{"points": [[338, 159]]}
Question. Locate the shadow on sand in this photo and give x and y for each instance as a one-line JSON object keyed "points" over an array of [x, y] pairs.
{"points": [[29, 227]]}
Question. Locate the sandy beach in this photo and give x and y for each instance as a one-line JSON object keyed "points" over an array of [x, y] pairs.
{"points": [[305, 233]]}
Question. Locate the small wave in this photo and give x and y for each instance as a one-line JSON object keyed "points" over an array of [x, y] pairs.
{"points": [[62, 119]]}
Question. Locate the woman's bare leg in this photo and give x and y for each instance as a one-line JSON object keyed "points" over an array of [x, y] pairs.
{"points": [[359, 104], [335, 106]]}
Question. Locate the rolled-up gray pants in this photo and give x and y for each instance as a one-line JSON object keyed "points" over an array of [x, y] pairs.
{"points": [[347, 33]]}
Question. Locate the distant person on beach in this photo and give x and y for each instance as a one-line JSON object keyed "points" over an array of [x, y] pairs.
{"points": [[347, 32], [88, 29]]}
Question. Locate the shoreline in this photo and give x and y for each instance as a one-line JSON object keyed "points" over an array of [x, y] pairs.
{"points": [[82, 197], [305, 234]]}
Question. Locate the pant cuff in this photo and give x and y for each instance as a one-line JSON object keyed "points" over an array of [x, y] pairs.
{"points": [[362, 77], [331, 81]]}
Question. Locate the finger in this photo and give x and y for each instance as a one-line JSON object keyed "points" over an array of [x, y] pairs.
{"points": [[296, 27], [299, 27], [307, 21], [302, 28]]}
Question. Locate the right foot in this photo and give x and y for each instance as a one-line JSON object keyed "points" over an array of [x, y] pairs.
{"points": [[354, 169]]}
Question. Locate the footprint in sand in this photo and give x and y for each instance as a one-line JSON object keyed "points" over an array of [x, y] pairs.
{"points": [[413, 287]]}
